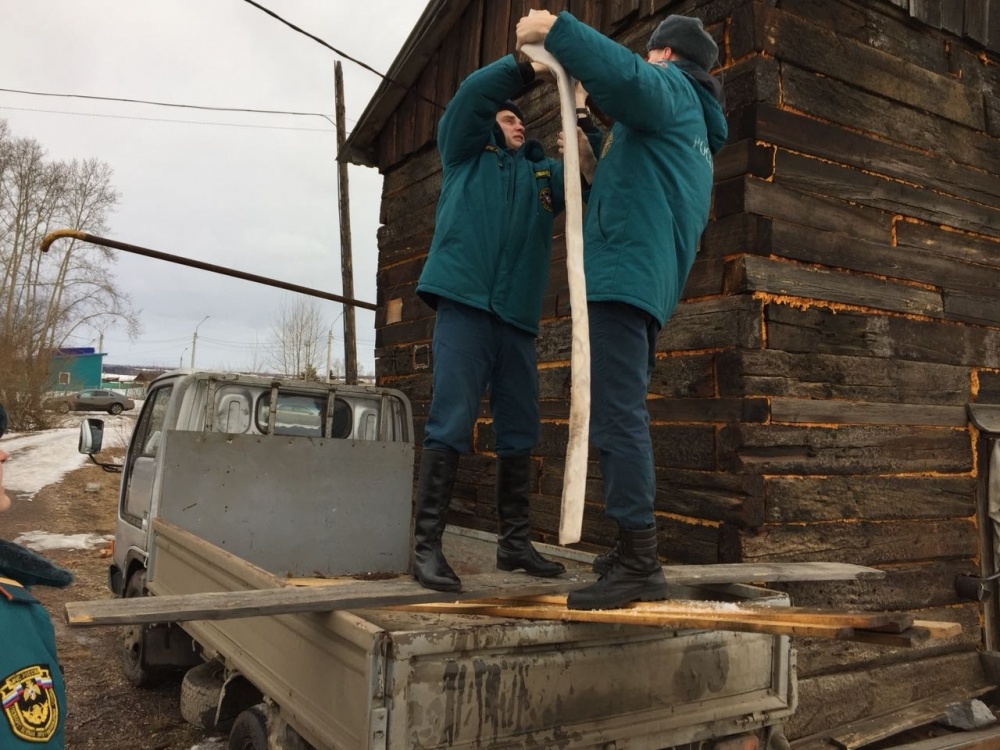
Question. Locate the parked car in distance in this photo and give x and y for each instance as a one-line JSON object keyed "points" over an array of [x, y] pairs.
{"points": [[92, 400]]}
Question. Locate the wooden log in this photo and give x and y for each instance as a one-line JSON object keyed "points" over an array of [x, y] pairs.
{"points": [[830, 100], [832, 700], [893, 196], [712, 324], [768, 372], [812, 411], [823, 50], [872, 27], [844, 145], [810, 499], [864, 542], [857, 334], [779, 201], [907, 586], [850, 449], [818, 657], [901, 261], [684, 376], [774, 276], [869, 730]]}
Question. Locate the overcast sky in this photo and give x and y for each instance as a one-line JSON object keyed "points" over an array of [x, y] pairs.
{"points": [[257, 193]]}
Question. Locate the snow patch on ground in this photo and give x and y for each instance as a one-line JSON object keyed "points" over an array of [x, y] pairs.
{"points": [[38, 459], [43, 541]]}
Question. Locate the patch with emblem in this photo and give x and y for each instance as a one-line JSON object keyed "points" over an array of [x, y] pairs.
{"points": [[28, 699], [545, 197]]}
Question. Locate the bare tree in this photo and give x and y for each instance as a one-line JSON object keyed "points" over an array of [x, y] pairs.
{"points": [[297, 338], [46, 297]]}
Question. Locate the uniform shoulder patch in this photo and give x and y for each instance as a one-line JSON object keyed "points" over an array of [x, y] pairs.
{"points": [[29, 703]]}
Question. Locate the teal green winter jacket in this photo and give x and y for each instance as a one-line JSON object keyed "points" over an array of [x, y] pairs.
{"points": [[651, 193], [493, 227]]}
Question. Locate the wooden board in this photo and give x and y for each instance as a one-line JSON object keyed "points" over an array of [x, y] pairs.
{"points": [[353, 594], [882, 628]]}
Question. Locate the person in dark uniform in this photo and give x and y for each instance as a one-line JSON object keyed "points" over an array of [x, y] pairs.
{"points": [[32, 691], [485, 275]]}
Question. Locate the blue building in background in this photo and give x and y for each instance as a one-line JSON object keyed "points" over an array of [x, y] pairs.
{"points": [[73, 369]]}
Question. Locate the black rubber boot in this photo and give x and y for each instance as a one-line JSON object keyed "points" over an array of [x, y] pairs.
{"points": [[606, 560], [635, 577], [434, 486], [514, 548]]}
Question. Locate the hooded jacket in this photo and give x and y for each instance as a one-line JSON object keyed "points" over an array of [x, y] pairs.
{"points": [[493, 226], [651, 193]]}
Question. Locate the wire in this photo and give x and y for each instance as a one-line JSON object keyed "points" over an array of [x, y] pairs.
{"points": [[160, 119], [172, 104], [367, 67]]}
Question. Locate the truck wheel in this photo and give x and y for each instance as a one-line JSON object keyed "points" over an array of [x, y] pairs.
{"points": [[133, 640], [249, 731], [201, 689]]}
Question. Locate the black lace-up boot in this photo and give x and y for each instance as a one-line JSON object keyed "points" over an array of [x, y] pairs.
{"points": [[514, 548], [606, 560], [636, 576], [434, 486]]}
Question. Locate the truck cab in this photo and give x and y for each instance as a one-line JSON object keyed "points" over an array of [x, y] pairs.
{"points": [[235, 447]]}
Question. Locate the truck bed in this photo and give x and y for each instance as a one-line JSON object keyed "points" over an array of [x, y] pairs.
{"points": [[371, 679]]}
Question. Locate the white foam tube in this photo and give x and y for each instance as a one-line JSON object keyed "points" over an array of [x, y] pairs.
{"points": [[575, 472]]}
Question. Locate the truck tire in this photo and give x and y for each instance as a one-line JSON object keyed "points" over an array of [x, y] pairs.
{"points": [[201, 689], [249, 731], [133, 640]]}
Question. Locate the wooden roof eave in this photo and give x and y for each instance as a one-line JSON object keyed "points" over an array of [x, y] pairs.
{"points": [[431, 28]]}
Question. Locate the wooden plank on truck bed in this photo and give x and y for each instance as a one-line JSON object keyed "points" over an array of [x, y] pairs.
{"points": [[354, 594], [274, 595], [883, 628]]}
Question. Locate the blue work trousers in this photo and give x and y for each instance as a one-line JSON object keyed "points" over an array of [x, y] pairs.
{"points": [[475, 350], [622, 356]]}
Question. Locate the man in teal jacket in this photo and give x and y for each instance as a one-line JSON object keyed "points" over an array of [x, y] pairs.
{"points": [[485, 275], [32, 691], [648, 206]]}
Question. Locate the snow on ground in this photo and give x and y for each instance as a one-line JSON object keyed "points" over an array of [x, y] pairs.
{"points": [[38, 459], [42, 541]]}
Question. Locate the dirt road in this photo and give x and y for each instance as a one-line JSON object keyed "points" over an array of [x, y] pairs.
{"points": [[104, 710]]}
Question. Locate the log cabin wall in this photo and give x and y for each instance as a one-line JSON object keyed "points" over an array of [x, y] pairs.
{"points": [[810, 397]]}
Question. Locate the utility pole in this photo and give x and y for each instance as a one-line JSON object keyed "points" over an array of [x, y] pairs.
{"points": [[194, 339], [329, 353], [346, 262]]}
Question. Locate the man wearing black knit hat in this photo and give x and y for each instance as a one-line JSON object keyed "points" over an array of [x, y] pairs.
{"points": [[648, 205]]}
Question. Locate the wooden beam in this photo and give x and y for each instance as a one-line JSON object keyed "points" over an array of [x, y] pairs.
{"points": [[354, 594]]}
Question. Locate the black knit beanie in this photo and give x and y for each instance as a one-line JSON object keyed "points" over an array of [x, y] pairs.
{"points": [[687, 37], [513, 108]]}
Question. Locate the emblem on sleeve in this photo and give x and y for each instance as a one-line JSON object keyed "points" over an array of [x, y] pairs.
{"points": [[545, 197], [28, 699]]}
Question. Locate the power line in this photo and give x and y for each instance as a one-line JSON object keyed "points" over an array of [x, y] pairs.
{"points": [[160, 119], [333, 49], [172, 104]]}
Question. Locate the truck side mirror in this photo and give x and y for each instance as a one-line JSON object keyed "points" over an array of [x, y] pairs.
{"points": [[91, 436], [91, 440]]}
